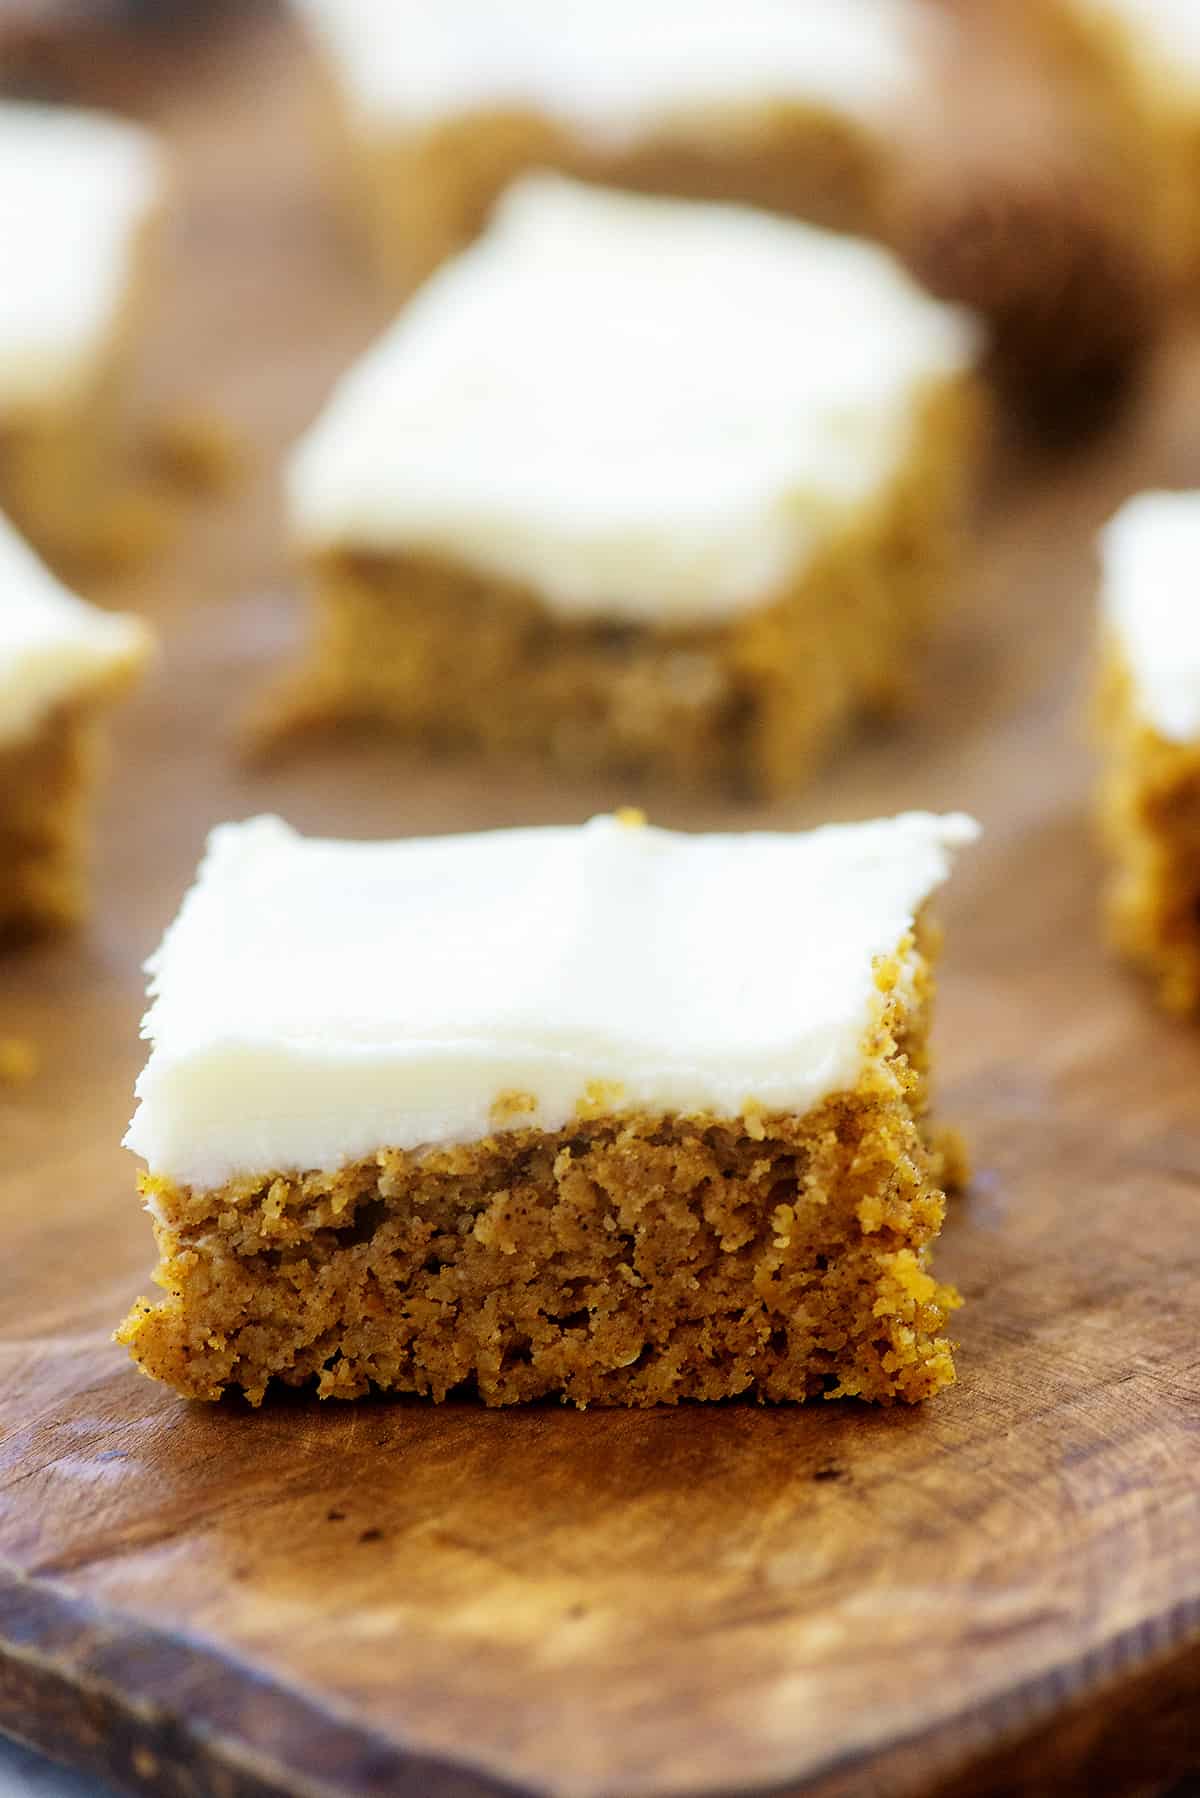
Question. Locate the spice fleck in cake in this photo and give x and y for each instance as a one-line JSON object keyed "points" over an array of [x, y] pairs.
{"points": [[1150, 722], [79, 196], [436, 108], [61, 664], [639, 485], [608, 1112]]}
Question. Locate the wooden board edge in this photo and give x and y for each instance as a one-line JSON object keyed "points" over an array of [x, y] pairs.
{"points": [[167, 1716], [1123, 1718]]}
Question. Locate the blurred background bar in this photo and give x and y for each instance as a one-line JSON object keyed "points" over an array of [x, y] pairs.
{"points": [[46, 17]]}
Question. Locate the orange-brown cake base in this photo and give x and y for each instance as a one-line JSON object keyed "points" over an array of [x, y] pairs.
{"points": [[446, 656], [1150, 818], [624, 1260], [45, 782]]}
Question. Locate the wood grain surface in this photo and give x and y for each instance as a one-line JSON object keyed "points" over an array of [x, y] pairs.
{"points": [[999, 1591]]}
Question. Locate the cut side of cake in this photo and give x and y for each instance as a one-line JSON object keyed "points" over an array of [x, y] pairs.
{"points": [[607, 1112], [435, 109], [62, 663], [1149, 719], [80, 195], [638, 485]]}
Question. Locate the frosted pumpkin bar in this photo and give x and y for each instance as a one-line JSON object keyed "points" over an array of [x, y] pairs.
{"points": [[900, 120], [1150, 733], [80, 193], [609, 1112], [435, 108], [1139, 62], [638, 484], [61, 664]]}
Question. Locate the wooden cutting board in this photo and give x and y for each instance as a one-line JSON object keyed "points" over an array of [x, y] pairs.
{"points": [[395, 1598]]}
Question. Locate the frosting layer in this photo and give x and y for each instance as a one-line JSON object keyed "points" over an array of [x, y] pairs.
{"points": [[76, 188], [615, 69], [1163, 37], [52, 645], [316, 1001], [647, 410], [1150, 597]]}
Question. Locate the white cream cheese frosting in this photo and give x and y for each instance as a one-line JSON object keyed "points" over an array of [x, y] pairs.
{"points": [[52, 645], [616, 70], [76, 189], [1150, 598], [317, 1001], [1163, 36], [648, 410]]}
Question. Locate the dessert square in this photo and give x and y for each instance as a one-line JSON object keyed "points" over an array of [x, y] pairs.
{"points": [[638, 485], [1150, 726], [607, 1112], [61, 664], [913, 123], [433, 110], [1139, 61], [80, 193]]}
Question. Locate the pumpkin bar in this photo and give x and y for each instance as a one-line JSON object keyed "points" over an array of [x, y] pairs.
{"points": [[80, 194], [61, 664], [607, 1112], [921, 125], [433, 110], [1138, 63], [1150, 729], [638, 485]]}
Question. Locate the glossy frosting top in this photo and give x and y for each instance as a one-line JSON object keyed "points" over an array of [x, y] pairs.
{"points": [[640, 409], [317, 1001]]}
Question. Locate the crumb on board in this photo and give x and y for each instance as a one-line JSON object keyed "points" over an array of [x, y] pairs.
{"points": [[18, 1061], [197, 452], [952, 1159]]}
